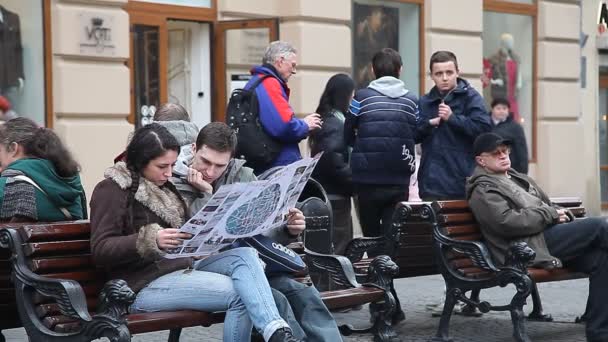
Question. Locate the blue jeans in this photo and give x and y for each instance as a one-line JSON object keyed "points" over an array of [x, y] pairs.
{"points": [[583, 245], [232, 281], [309, 309]]}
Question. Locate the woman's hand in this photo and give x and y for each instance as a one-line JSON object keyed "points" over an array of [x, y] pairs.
{"points": [[296, 222], [170, 238], [195, 179]]}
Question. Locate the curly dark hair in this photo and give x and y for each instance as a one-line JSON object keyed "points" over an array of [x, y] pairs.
{"points": [[39, 142]]}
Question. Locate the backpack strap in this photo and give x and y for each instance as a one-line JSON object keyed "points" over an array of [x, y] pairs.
{"points": [[257, 82], [27, 179]]}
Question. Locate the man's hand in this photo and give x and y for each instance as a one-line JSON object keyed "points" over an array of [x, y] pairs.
{"points": [[444, 111], [563, 217], [313, 121], [195, 179], [296, 222], [170, 238], [435, 121]]}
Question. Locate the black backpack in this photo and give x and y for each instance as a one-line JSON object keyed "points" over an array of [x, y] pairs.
{"points": [[254, 145]]}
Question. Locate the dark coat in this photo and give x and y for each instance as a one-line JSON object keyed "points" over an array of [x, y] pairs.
{"points": [[11, 50], [512, 209], [332, 170], [126, 251], [513, 131], [381, 127], [447, 150]]}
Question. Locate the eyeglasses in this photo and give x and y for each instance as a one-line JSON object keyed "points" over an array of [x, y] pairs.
{"points": [[499, 151]]}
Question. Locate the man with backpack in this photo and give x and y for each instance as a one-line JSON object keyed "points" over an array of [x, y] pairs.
{"points": [[276, 117]]}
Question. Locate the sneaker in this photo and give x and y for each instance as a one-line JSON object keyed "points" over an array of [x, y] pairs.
{"points": [[283, 335], [437, 309]]}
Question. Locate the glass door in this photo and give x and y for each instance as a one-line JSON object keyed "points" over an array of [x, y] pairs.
{"points": [[238, 46], [148, 67]]}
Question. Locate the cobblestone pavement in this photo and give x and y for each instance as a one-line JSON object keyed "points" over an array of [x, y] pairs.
{"points": [[564, 300]]}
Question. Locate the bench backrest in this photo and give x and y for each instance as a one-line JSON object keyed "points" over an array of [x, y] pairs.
{"points": [[456, 221], [56, 250]]}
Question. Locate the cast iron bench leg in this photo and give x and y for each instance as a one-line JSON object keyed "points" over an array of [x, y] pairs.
{"points": [[174, 335], [537, 313], [443, 331]]}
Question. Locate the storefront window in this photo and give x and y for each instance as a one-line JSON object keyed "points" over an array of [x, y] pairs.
{"points": [[22, 59], [507, 65], [382, 24]]}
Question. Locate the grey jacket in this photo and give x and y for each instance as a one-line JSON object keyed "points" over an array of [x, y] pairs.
{"points": [[511, 209], [236, 172]]}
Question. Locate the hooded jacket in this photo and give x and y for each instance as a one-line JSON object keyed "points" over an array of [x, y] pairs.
{"points": [[277, 116], [186, 133], [512, 208], [381, 128], [235, 172], [447, 150], [129, 251], [23, 200]]}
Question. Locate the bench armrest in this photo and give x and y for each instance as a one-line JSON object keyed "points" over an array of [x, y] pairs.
{"points": [[114, 299], [357, 247], [340, 269], [68, 294], [475, 250]]}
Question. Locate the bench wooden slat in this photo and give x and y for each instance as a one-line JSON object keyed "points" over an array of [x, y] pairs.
{"points": [[462, 229], [55, 232], [351, 297], [456, 218], [47, 264], [53, 248], [155, 321]]}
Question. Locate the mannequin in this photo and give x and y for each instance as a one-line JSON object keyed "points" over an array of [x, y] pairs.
{"points": [[11, 55], [502, 72]]}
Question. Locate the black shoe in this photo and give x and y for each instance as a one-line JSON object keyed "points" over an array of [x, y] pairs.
{"points": [[283, 335]]}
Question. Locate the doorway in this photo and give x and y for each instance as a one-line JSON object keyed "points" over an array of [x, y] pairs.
{"points": [[179, 52]]}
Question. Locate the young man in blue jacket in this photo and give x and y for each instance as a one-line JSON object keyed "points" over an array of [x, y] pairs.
{"points": [[381, 127], [452, 115]]}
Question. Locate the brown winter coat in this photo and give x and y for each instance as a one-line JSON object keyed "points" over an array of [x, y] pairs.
{"points": [[131, 253]]}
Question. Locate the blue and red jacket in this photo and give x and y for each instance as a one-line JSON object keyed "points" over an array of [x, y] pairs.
{"points": [[277, 116]]}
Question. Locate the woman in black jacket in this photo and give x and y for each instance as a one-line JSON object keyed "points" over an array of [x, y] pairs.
{"points": [[333, 170]]}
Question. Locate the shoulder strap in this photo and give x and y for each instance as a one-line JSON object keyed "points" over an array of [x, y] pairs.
{"points": [[27, 179], [257, 82]]}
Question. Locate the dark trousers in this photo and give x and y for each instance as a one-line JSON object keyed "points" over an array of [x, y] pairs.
{"points": [[376, 206], [343, 222], [583, 245], [309, 310]]}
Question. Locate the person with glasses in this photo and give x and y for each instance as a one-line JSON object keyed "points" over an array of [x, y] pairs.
{"points": [[276, 115], [510, 207]]}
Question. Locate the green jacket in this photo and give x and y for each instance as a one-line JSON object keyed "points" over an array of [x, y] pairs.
{"points": [[22, 199], [512, 208]]}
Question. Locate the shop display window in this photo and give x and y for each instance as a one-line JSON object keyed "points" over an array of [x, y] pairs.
{"points": [[382, 24], [508, 56], [22, 74]]}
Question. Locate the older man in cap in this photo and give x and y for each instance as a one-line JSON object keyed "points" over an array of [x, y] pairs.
{"points": [[510, 206]]}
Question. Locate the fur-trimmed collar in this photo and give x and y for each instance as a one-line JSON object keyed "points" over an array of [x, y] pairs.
{"points": [[160, 200]]}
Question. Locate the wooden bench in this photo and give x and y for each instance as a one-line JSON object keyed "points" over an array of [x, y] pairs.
{"points": [[466, 265], [49, 285], [410, 244]]}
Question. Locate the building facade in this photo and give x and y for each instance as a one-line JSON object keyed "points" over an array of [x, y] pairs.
{"points": [[95, 69]]}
